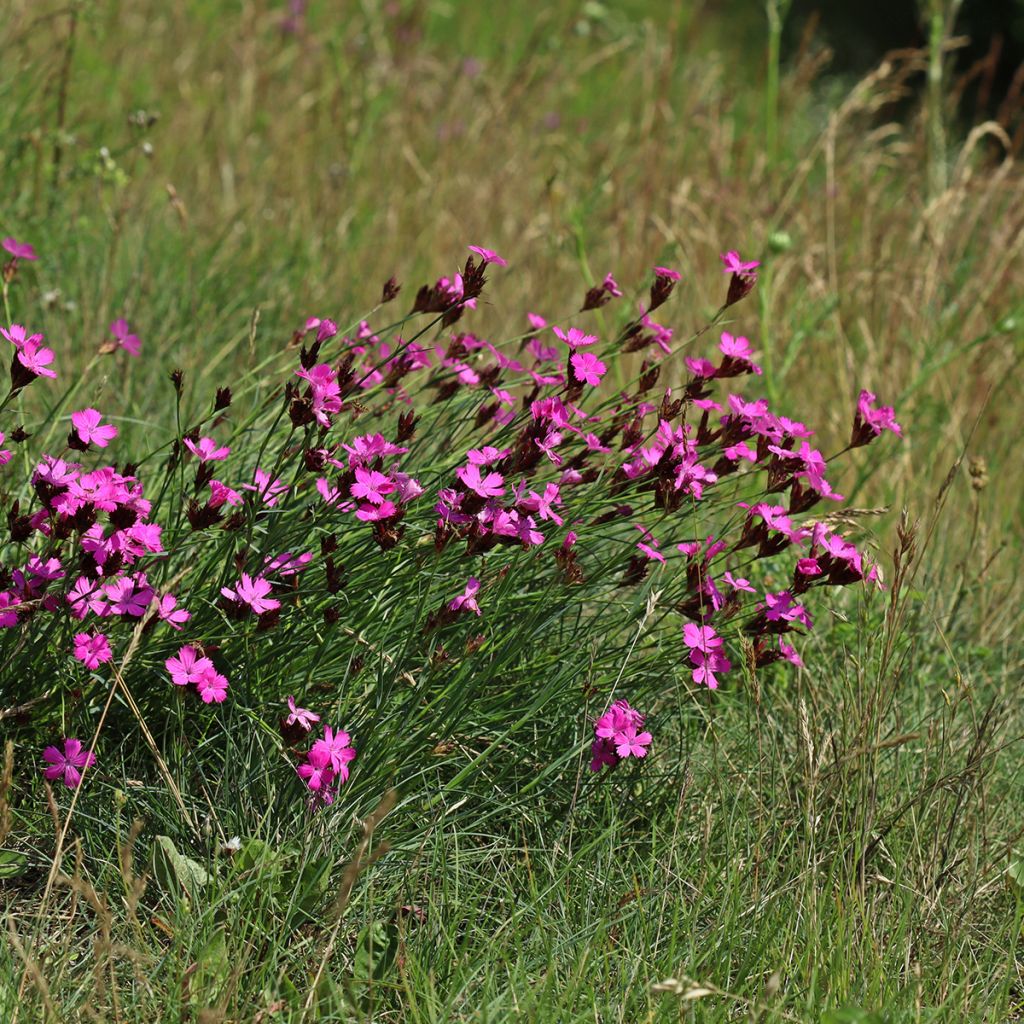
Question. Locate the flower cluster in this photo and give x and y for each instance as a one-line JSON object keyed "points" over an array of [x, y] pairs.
{"points": [[520, 447], [617, 736]]}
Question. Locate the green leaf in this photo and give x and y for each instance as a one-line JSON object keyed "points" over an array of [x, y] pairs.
{"points": [[12, 863], [1015, 873], [174, 872]]}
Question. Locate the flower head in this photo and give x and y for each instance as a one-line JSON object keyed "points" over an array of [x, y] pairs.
{"points": [[68, 762], [90, 430], [91, 650], [488, 255], [122, 333], [19, 250]]}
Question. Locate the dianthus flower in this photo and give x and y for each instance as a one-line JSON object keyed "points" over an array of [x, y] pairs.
{"points": [[19, 250], [300, 716], [467, 599], [488, 255], [90, 430], [91, 650], [67, 763], [122, 333], [207, 450], [588, 368], [617, 736], [252, 591]]}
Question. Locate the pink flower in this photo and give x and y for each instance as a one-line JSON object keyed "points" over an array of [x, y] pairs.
{"points": [[611, 286], [17, 335], [19, 250], [221, 494], [617, 736], [5, 454], [705, 654], [89, 429], [90, 650], [738, 583], [732, 264], [588, 368], [68, 763], [489, 486], [187, 666], [739, 358], [268, 490], [212, 687], [36, 359], [537, 322], [300, 716], [488, 255], [371, 486], [252, 592], [124, 337], [169, 612], [574, 338], [668, 274], [206, 450], [869, 421], [317, 772], [336, 746], [467, 599]]}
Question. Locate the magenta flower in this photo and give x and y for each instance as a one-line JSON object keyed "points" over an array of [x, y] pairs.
{"points": [[207, 450], [187, 666], [317, 772], [252, 591], [17, 335], [19, 250], [168, 611], [123, 336], [869, 421], [90, 650], [221, 494], [300, 716], [336, 746], [611, 286], [575, 338], [371, 486], [68, 762], [617, 736], [488, 255], [268, 490], [668, 274], [705, 654], [732, 264], [489, 486], [36, 359], [537, 322], [212, 687], [588, 368], [5, 453], [467, 599], [89, 429]]}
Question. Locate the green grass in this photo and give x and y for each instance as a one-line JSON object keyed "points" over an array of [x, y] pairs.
{"points": [[796, 844]]}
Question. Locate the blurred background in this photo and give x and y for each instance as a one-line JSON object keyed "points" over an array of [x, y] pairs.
{"points": [[200, 166]]}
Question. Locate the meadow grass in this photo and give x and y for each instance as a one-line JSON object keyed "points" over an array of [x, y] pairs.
{"points": [[835, 843]]}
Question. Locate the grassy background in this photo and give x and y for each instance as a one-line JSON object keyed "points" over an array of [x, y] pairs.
{"points": [[848, 827]]}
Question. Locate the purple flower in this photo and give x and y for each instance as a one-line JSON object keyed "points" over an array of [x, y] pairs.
{"points": [[124, 337], [252, 591], [467, 599], [68, 762], [89, 429], [19, 250], [488, 255], [300, 716], [90, 650]]}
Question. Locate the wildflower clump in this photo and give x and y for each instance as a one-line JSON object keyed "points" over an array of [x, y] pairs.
{"points": [[413, 495]]}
